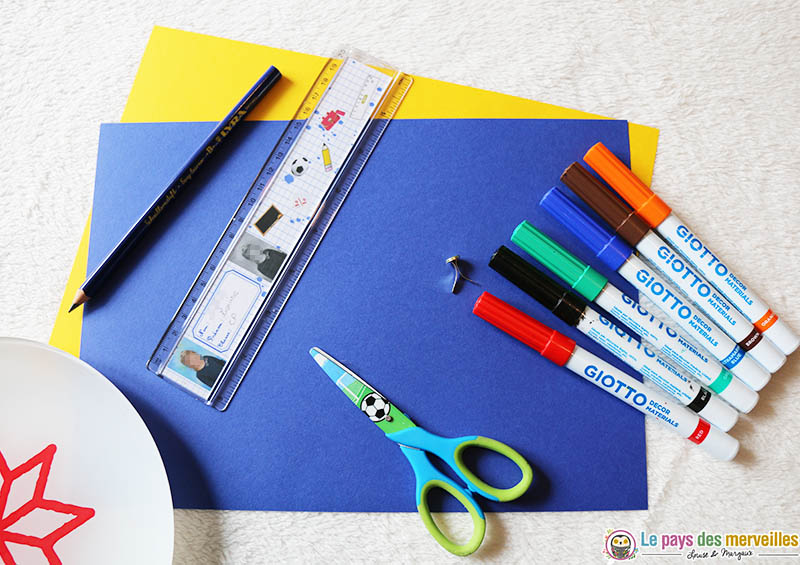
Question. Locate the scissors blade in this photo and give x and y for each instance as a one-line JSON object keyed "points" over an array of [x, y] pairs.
{"points": [[371, 402]]}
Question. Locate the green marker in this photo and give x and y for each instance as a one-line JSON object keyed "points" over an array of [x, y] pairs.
{"points": [[595, 287]]}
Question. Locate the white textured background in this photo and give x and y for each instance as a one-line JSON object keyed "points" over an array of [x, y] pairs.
{"points": [[719, 78]]}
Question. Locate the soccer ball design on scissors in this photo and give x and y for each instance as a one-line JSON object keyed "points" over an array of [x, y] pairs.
{"points": [[375, 406]]}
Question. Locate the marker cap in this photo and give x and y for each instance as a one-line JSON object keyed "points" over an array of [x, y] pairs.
{"points": [[783, 337], [621, 178], [606, 246], [578, 275], [720, 445], [740, 396], [531, 280], [547, 341], [624, 221], [720, 413]]}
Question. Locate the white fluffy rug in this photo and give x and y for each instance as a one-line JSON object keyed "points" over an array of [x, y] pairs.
{"points": [[720, 79]]}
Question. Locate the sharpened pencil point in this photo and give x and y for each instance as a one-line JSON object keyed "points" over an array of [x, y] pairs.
{"points": [[80, 298]]}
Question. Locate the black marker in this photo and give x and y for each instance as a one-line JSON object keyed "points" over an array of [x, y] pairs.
{"points": [[575, 312]]}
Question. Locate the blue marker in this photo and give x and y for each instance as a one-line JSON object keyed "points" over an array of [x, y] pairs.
{"points": [[619, 256], [636, 233]]}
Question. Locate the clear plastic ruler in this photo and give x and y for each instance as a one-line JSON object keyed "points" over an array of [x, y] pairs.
{"points": [[251, 272]]}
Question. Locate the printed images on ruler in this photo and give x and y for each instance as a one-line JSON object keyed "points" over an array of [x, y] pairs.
{"points": [[276, 225]]}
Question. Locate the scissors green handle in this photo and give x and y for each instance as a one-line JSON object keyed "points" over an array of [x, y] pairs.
{"points": [[416, 442]]}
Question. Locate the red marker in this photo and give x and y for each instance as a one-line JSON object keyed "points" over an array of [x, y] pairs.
{"points": [[563, 351]]}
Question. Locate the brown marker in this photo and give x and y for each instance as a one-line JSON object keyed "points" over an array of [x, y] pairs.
{"points": [[627, 223], [636, 232], [661, 218]]}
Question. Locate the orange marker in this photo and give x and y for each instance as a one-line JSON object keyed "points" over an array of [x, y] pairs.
{"points": [[660, 216]]}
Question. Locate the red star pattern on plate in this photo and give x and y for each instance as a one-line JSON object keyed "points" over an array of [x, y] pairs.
{"points": [[79, 515]]}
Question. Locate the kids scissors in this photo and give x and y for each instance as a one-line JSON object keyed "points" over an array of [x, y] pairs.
{"points": [[414, 442]]}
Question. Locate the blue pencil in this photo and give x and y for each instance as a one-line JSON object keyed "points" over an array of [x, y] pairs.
{"points": [[97, 279]]}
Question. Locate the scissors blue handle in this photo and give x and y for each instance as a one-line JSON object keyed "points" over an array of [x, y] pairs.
{"points": [[416, 442]]}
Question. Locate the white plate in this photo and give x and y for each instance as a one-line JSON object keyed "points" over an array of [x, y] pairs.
{"points": [[106, 496]]}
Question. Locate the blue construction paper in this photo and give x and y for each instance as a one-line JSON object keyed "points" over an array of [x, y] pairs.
{"points": [[376, 296]]}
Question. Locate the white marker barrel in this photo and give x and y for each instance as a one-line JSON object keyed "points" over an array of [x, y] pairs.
{"points": [[711, 301], [658, 370], [694, 322], [651, 403], [734, 288], [698, 362]]}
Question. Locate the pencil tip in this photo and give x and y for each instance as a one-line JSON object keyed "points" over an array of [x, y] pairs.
{"points": [[80, 298]]}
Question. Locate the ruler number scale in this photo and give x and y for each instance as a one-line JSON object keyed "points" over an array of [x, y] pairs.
{"points": [[312, 168], [196, 292]]}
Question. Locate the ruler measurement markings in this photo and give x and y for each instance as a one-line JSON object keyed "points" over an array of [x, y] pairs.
{"points": [[250, 201], [251, 348], [290, 236]]}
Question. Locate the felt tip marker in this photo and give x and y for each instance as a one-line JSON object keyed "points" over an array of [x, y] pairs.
{"points": [[618, 256], [660, 217], [564, 352], [575, 312], [669, 341], [637, 233]]}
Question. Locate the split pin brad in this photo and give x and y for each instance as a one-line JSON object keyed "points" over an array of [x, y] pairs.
{"points": [[457, 274]]}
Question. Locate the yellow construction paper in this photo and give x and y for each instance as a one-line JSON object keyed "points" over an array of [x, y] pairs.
{"points": [[191, 77], [67, 328]]}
